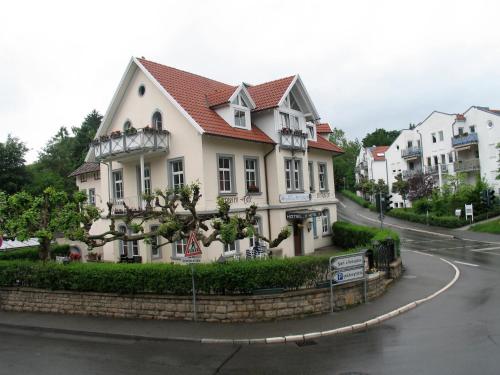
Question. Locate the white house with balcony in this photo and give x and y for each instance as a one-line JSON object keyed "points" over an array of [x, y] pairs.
{"points": [[445, 144], [259, 144], [371, 164]]}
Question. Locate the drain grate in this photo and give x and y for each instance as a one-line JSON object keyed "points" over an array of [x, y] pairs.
{"points": [[306, 343]]}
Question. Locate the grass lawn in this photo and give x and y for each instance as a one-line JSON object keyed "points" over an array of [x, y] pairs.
{"points": [[489, 227], [333, 251]]}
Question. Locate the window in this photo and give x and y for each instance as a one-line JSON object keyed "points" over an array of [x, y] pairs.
{"points": [[230, 248], [436, 162], [123, 244], [310, 131], [157, 121], [450, 157], [429, 163], [83, 177], [285, 120], [293, 103], [97, 175], [127, 125], [226, 182], [147, 180], [252, 175], [155, 241], [443, 159], [490, 124], [176, 173], [434, 140], [325, 222], [311, 176], [410, 144], [323, 182], [411, 165], [293, 174], [315, 227], [460, 131], [472, 128], [239, 100], [142, 90], [118, 185], [294, 121], [419, 144], [441, 136], [239, 118], [180, 248], [91, 197], [254, 239], [397, 147]]}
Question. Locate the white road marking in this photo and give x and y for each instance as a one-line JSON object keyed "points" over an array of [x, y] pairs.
{"points": [[467, 264], [342, 204], [485, 249], [421, 252]]}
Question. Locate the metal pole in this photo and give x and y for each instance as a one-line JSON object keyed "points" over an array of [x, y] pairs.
{"points": [[331, 294], [364, 272], [381, 215], [194, 292]]}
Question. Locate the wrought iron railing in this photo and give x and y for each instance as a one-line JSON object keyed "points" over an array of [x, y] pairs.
{"points": [[411, 152], [463, 140]]}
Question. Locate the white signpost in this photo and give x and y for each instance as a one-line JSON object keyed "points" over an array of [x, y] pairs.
{"points": [[346, 269], [469, 211]]}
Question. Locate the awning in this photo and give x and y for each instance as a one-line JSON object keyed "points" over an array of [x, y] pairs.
{"points": [[302, 214]]}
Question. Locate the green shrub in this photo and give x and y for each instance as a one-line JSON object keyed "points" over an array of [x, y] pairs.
{"points": [[228, 278], [355, 198], [349, 235], [440, 221], [31, 253]]}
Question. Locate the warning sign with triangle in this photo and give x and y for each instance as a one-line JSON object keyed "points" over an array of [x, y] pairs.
{"points": [[193, 248]]}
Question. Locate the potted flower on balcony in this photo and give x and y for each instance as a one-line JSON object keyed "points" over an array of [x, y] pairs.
{"points": [[116, 134], [95, 142], [130, 131], [253, 189], [148, 129], [103, 138], [297, 132], [286, 130]]}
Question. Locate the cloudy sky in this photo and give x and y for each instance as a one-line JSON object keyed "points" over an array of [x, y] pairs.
{"points": [[366, 64]]}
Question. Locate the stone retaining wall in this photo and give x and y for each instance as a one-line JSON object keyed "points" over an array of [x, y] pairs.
{"points": [[227, 309]]}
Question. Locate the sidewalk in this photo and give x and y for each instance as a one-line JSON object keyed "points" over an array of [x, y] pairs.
{"points": [[424, 275]]}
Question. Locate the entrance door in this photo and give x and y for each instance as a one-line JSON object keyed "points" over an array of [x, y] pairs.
{"points": [[297, 238]]}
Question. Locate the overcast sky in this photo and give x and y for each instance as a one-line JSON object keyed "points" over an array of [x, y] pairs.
{"points": [[366, 64]]}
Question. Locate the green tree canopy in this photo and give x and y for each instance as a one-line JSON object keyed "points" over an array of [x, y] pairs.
{"points": [[380, 137], [14, 175], [344, 165]]}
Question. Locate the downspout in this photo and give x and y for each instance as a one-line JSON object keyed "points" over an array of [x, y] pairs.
{"points": [[267, 191]]}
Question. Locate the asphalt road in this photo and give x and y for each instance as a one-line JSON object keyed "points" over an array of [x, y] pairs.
{"points": [[456, 333]]}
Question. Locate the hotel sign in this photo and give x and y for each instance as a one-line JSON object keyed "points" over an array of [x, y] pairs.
{"points": [[297, 197]]}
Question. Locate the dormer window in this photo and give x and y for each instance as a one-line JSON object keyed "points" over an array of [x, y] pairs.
{"points": [[239, 118], [293, 103], [310, 131], [239, 100]]}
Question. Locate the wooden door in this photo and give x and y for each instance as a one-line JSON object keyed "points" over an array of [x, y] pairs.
{"points": [[297, 239]]}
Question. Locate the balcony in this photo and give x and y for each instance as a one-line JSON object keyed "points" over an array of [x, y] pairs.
{"points": [[434, 169], [470, 165], [293, 139], [409, 173], [464, 140], [411, 152], [118, 144]]}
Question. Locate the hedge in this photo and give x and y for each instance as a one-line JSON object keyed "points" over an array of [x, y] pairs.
{"points": [[213, 278], [31, 253], [352, 235], [354, 197]]}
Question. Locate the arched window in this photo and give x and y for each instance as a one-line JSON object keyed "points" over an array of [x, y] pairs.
{"points": [[127, 125], [157, 121]]}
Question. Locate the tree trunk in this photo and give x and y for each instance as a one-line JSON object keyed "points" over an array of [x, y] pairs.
{"points": [[44, 249]]}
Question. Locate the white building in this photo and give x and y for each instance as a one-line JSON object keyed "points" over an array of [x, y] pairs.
{"points": [[445, 144], [371, 164], [259, 144]]}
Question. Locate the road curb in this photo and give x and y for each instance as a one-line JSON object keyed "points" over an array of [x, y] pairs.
{"points": [[358, 327]]}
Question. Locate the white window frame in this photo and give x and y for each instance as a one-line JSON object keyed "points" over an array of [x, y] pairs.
{"points": [[123, 244], [180, 174], [147, 179], [230, 248], [310, 166], [155, 240], [91, 196], [175, 247], [293, 175], [441, 136], [257, 229], [155, 124], [230, 171], [433, 137], [83, 177], [118, 188], [323, 184], [250, 171], [325, 222]]}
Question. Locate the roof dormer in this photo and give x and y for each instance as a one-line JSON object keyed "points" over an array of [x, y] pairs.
{"points": [[237, 108]]}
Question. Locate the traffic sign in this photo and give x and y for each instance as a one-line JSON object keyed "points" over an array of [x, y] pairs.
{"points": [[349, 275], [347, 261], [193, 248]]}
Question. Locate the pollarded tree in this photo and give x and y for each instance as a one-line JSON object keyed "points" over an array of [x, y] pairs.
{"points": [[401, 187], [420, 186], [25, 216], [173, 225]]}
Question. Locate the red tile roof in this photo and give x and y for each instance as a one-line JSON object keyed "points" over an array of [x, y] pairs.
{"points": [[85, 168], [221, 96], [267, 95], [460, 117], [191, 91], [375, 151], [323, 128], [323, 144]]}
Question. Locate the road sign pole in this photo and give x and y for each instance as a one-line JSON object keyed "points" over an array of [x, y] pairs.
{"points": [[194, 292], [331, 294], [364, 270]]}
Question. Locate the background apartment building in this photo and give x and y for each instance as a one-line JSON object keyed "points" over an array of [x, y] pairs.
{"points": [[258, 144], [445, 144]]}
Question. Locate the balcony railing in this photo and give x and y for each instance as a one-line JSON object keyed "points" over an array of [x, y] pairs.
{"points": [[464, 140], [411, 152], [409, 173], [469, 165], [293, 139], [133, 202], [117, 144]]}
